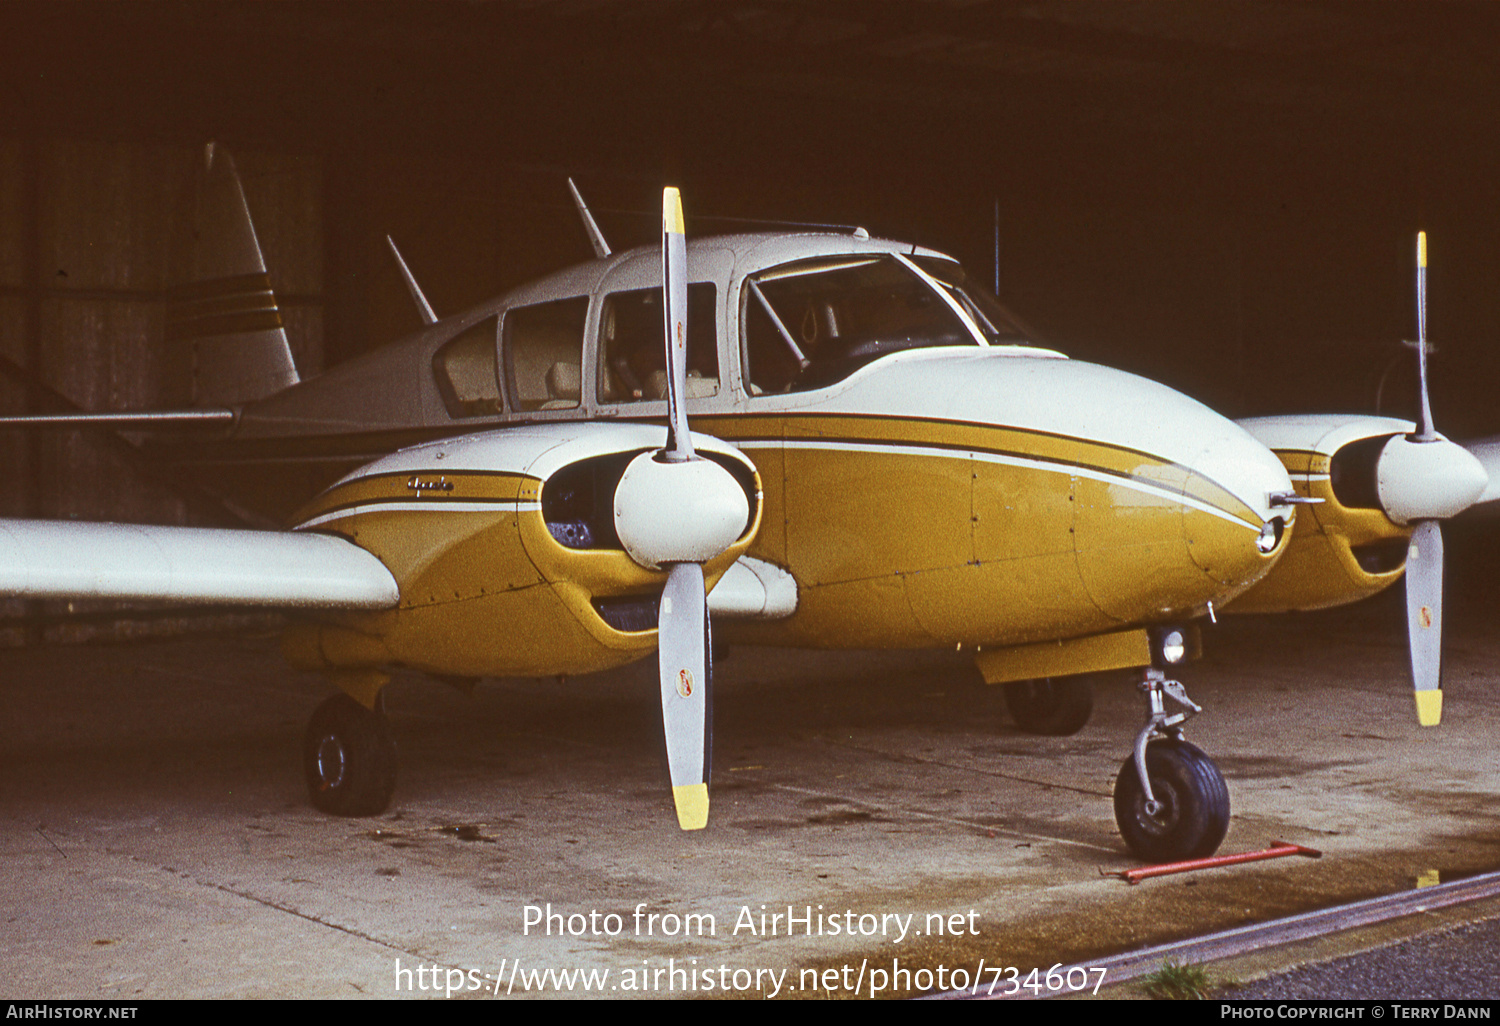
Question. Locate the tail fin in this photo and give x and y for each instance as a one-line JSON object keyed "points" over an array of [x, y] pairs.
{"points": [[228, 315]]}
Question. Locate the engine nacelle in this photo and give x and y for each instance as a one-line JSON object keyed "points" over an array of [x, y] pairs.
{"points": [[1345, 547], [506, 553]]}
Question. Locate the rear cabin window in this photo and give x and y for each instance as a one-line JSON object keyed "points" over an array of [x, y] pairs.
{"points": [[810, 324], [543, 347], [632, 350], [465, 370]]}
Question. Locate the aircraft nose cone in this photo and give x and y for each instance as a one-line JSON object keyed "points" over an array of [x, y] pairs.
{"points": [[1233, 533], [1191, 521], [1127, 500]]}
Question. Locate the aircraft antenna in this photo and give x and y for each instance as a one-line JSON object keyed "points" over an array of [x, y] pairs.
{"points": [[423, 307], [997, 247], [857, 231], [596, 237]]}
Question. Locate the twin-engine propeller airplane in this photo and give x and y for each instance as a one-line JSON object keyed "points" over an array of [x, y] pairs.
{"points": [[885, 462]]}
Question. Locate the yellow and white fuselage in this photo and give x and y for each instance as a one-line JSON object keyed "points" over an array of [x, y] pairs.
{"points": [[914, 476], [963, 492], [999, 496], [878, 457]]}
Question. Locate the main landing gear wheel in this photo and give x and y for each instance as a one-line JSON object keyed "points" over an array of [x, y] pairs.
{"points": [[349, 759], [1055, 707], [1192, 804]]}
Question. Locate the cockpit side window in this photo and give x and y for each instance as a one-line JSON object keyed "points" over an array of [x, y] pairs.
{"points": [[812, 323], [465, 371], [543, 347], [632, 357]]}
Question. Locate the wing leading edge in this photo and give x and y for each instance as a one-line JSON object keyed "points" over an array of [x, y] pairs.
{"points": [[51, 559]]}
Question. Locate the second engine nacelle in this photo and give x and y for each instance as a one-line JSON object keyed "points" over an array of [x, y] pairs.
{"points": [[1345, 547]]}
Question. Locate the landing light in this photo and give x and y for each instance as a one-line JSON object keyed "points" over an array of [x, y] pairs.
{"points": [[1174, 645], [1270, 535]]}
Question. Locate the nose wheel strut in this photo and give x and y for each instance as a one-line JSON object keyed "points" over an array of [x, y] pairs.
{"points": [[1171, 801], [1160, 725]]}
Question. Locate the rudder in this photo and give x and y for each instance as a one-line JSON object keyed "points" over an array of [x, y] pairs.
{"points": [[227, 316]]}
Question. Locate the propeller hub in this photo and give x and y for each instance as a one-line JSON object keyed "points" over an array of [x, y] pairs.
{"points": [[678, 512], [1427, 480]]}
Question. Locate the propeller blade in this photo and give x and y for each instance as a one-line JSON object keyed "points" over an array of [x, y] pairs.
{"points": [[1422, 479], [682, 626], [1424, 618], [675, 510], [1424, 429], [674, 312]]}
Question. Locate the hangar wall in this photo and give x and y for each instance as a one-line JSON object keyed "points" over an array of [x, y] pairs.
{"points": [[95, 234], [1223, 200]]}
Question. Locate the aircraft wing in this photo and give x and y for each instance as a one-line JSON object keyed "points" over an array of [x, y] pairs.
{"points": [[67, 559], [1487, 452], [752, 589]]}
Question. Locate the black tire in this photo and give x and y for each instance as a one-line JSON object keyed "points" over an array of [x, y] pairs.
{"points": [[1055, 707], [349, 759], [1195, 804]]}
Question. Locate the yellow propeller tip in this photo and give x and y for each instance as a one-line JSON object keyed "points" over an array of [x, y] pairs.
{"points": [[692, 806], [1429, 708], [671, 211], [1421, 249]]}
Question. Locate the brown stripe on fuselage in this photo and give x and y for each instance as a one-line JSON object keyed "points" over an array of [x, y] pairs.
{"points": [[223, 324], [218, 306], [436, 487], [1132, 465]]}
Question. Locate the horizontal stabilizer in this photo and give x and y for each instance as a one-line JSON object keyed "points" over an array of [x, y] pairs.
{"points": [[125, 420], [71, 560]]}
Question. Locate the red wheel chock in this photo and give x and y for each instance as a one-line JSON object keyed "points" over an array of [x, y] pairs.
{"points": [[1278, 849]]}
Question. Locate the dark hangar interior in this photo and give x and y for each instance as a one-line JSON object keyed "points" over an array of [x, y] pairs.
{"points": [[1220, 196]]}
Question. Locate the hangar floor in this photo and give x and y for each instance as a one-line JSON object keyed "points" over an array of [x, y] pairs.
{"points": [[155, 840]]}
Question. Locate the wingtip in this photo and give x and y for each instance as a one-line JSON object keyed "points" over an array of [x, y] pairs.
{"points": [[692, 805], [1429, 708]]}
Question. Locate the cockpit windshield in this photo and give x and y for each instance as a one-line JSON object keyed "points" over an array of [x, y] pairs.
{"points": [[998, 324], [814, 322]]}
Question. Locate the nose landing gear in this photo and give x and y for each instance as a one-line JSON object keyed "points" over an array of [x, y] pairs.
{"points": [[1171, 801]]}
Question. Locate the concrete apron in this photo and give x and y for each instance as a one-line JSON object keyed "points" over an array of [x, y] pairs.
{"points": [[156, 841]]}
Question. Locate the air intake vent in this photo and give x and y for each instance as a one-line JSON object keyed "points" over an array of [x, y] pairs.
{"points": [[1352, 473], [629, 614]]}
